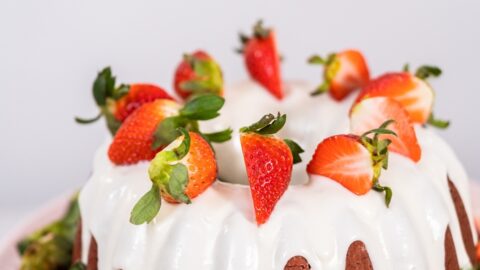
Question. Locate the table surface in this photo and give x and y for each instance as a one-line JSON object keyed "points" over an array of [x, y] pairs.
{"points": [[11, 217]]}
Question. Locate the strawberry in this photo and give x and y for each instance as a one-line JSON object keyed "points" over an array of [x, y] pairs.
{"points": [[269, 161], [411, 90], [154, 125], [138, 95], [353, 161], [179, 173], [344, 72], [370, 113], [116, 103], [198, 73], [478, 252], [133, 141], [262, 59]]}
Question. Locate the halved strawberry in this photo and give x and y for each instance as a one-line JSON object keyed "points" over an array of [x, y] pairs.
{"points": [[154, 125], [344, 72], [133, 141], [412, 91], [198, 73], [372, 112], [354, 162], [262, 58], [179, 173], [344, 159], [269, 161], [116, 103]]}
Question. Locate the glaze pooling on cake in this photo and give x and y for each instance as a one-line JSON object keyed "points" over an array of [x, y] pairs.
{"points": [[318, 220]]}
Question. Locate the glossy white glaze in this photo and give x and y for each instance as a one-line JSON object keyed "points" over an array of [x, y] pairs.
{"points": [[317, 219]]}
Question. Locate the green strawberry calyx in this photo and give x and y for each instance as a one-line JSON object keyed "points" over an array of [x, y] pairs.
{"points": [[259, 32], [269, 125], [208, 76], [332, 66], [378, 149], [199, 108], [105, 94], [168, 176]]}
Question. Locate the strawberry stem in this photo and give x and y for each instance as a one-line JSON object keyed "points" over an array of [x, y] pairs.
{"points": [[438, 123]]}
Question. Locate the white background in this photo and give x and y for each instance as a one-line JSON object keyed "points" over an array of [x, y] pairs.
{"points": [[50, 51]]}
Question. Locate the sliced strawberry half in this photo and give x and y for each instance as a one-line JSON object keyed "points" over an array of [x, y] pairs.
{"points": [[269, 161], [411, 90], [344, 72], [198, 73], [179, 173], [344, 158], [262, 59], [372, 112], [353, 161]]}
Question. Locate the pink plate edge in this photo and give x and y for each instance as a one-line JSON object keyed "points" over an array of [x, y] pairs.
{"points": [[56, 207]]}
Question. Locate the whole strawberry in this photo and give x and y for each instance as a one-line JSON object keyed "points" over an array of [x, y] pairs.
{"points": [[116, 103], [411, 90], [154, 125], [269, 161], [353, 161], [262, 59], [134, 139], [179, 173], [198, 73], [344, 72]]}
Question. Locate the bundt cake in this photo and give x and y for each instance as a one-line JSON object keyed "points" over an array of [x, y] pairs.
{"points": [[268, 174]]}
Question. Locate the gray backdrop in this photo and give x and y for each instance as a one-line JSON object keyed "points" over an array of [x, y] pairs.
{"points": [[50, 51]]}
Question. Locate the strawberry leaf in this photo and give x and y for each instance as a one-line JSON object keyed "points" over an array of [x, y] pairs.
{"points": [[80, 120], [424, 72], [167, 131], [78, 266], [259, 31], [275, 126], [120, 91], [103, 86], [387, 190], [295, 149], [219, 137], [178, 182], [147, 207], [182, 150], [203, 107], [321, 89], [438, 123], [267, 125], [316, 60]]}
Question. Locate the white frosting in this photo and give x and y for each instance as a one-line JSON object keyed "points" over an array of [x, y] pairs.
{"points": [[317, 220]]}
